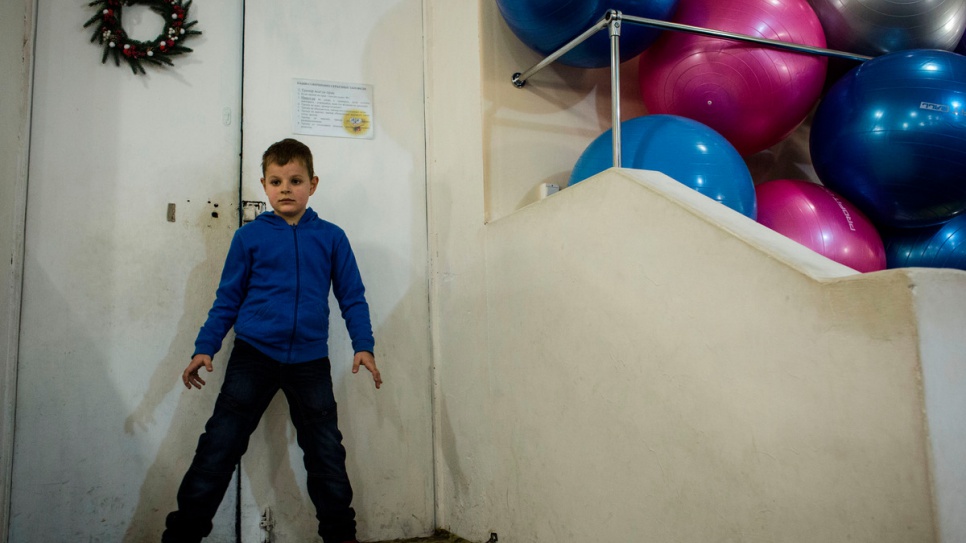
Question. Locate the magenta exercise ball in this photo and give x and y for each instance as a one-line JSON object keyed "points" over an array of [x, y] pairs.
{"points": [[754, 96], [874, 27], [821, 220]]}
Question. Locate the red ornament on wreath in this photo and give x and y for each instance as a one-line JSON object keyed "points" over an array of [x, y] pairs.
{"points": [[111, 35]]}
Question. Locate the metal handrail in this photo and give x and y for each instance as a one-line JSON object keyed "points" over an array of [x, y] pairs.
{"points": [[612, 20]]}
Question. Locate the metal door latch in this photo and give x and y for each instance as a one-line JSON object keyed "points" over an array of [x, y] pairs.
{"points": [[268, 524], [251, 209]]}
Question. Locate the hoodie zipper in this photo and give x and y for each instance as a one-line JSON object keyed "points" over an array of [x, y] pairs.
{"points": [[298, 288]]}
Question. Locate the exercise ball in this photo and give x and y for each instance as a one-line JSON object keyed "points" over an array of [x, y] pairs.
{"points": [[753, 95], [683, 149], [874, 27], [547, 25], [821, 220], [890, 137], [942, 246]]}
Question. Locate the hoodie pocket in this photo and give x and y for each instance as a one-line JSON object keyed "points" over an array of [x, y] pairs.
{"points": [[269, 322], [314, 321]]}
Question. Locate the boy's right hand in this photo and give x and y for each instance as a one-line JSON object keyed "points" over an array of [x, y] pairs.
{"points": [[190, 375]]}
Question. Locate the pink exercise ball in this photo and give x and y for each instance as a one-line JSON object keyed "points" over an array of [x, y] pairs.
{"points": [[753, 95], [821, 220]]}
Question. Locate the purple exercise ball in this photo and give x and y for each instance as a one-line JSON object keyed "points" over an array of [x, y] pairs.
{"points": [[821, 220], [753, 95]]}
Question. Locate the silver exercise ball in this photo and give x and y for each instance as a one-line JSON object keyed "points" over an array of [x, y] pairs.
{"points": [[874, 27]]}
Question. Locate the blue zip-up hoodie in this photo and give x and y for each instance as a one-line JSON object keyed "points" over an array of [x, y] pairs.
{"points": [[275, 290]]}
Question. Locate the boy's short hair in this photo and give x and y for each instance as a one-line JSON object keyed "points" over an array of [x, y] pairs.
{"points": [[285, 151]]}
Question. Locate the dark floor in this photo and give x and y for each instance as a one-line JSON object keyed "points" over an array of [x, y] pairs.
{"points": [[441, 536]]}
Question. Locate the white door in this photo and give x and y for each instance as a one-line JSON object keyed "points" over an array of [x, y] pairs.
{"points": [[375, 189], [133, 198]]}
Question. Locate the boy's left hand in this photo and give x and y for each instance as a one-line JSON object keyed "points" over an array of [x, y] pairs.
{"points": [[365, 358]]}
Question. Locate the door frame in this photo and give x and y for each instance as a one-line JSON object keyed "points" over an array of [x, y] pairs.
{"points": [[21, 28]]}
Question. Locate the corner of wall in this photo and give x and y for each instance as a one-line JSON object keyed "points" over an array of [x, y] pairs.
{"points": [[939, 297], [455, 201]]}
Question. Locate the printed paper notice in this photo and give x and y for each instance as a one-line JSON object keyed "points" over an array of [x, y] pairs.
{"points": [[326, 108]]}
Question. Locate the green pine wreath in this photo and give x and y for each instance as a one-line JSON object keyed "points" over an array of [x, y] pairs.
{"points": [[111, 35]]}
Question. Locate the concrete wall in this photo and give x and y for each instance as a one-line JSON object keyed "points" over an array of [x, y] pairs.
{"points": [[624, 360], [670, 377], [16, 54]]}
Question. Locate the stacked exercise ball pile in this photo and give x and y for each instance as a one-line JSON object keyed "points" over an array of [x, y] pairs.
{"points": [[887, 142]]}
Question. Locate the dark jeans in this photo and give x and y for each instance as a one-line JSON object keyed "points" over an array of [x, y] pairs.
{"points": [[251, 381]]}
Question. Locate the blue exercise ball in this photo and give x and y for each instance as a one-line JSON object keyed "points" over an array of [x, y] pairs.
{"points": [[890, 137], [547, 25], [685, 150], [942, 246]]}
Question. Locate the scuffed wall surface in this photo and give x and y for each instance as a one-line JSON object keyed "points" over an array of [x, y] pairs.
{"points": [[667, 377]]}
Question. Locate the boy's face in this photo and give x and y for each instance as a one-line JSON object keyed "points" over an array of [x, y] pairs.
{"points": [[288, 189]]}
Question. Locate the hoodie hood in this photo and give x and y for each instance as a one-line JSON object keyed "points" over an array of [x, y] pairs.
{"points": [[276, 221]]}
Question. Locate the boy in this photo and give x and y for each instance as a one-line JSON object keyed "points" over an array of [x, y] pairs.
{"points": [[274, 291]]}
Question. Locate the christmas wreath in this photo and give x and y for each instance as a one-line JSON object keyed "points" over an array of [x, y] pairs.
{"points": [[110, 34]]}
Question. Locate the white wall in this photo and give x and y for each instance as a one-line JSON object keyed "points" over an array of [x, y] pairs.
{"points": [[375, 190], [16, 53]]}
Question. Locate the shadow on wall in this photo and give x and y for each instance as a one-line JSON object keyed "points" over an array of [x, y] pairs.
{"points": [[160, 485], [375, 424], [58, 474]]}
